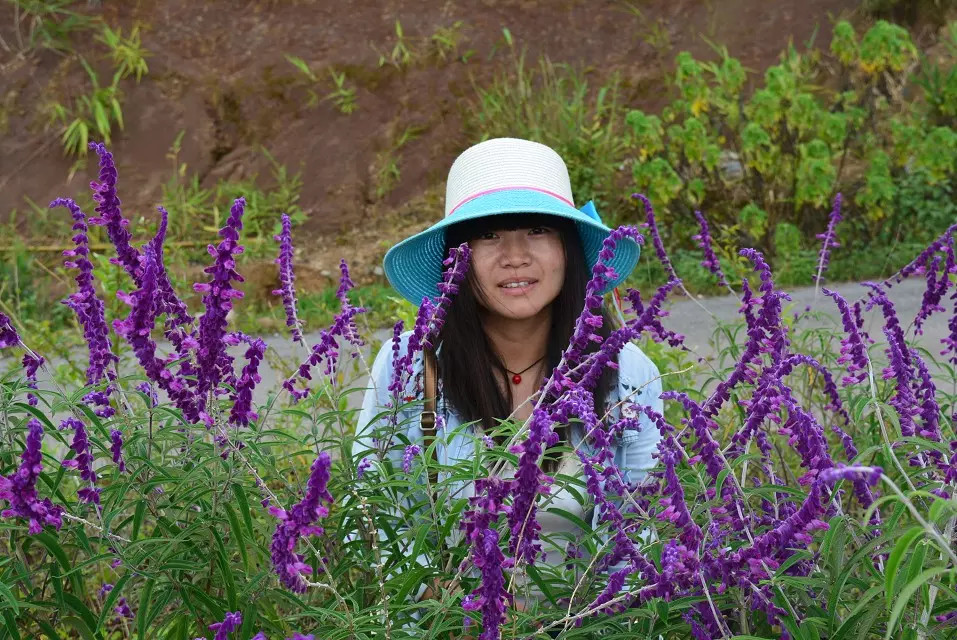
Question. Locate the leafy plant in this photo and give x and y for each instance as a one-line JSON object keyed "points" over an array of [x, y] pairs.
{"points": [[49, 24], [778, 157], [343, 96], [553, 104], [129, 56], [92, 114]]}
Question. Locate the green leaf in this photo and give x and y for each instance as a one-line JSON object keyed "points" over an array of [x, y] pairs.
{"points": [[11, 625], [145, 599], [81, 609], [79, 626], [243, 508], [909, 589], [894, 560], [8, 600], [238, 538], [138, 518]]}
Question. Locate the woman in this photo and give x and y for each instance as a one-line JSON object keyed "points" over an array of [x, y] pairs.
{"points": [[531, 256]]}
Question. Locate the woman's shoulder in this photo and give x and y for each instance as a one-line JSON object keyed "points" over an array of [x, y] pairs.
{"points": [[634, 367]]}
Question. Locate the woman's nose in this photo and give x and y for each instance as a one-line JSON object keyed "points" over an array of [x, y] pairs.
{"points": [[515, 248]]}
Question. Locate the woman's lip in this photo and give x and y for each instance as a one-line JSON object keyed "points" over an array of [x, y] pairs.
{"points": [[517, 291]]}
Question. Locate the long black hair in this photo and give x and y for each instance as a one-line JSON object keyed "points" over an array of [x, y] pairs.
{"points": [[472, 374]]}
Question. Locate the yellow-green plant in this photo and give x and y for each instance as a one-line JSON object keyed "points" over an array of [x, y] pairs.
{"points": [[129, 56], [779, 156], [342, 95]]}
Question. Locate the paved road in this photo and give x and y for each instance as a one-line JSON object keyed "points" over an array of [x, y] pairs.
{"points": [[696, 319]]}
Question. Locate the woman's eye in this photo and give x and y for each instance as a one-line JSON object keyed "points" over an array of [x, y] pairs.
{"points": [[539, 230], [488, 235]]}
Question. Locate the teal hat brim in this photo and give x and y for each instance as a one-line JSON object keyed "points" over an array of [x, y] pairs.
{"points": [[414, 266]]}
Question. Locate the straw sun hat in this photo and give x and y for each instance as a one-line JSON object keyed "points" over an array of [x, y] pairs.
{"points": [[498, 177]]}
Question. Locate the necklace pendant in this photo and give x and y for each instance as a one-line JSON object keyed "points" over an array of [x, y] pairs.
{"points": [[516, 379]]}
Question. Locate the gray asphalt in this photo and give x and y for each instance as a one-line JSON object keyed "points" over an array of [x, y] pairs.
{"points": [[695, 318]]}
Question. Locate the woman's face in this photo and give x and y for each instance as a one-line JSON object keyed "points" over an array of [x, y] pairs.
{"points": [[520, 271]]}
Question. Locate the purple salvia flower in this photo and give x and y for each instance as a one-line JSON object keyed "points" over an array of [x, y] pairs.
{"points": [[123, 609], [177, 313], [585, 333], [287, 277], [31, 364], [259, 636], [935, 290], [828, 241], [871, 475], [648, 318], [364, 465], [676, 510], [300, 521], [478, 522], [652, 227], [8, 335], [924, 257], [766, 332], [705, 243], [20, 488], [83, 460], [490, 597], [300, 636], [242, 413], [853, 350], [150, 391], [926, 396], [108, 206], [349, 330], [89, 309], [105, 588], [409, 455], [136, 328], [529, 482], [116, 448], [230, 624], [217, 301], [327, 349]]}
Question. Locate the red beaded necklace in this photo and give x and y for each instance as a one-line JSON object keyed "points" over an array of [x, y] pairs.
{"points": [[517, 377]]}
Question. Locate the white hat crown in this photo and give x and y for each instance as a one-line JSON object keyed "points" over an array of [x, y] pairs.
{"points": [[506, 163]]}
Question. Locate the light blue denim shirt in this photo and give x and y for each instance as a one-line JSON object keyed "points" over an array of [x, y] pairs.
{"points": [[638, 384]]}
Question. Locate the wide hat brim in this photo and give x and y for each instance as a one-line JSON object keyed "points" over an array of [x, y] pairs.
{"points": [[414, 265]]}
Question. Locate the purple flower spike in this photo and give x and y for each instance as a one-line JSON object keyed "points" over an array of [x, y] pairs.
{"points": [[20, 488], [217, 301], [364, 465], [327, 349], [828, 240], [8, 335], [231, 623], [409, 455], [298, 522], [116, 448], [136, 328], [710, 261], [300, 636], [490, 598], [123, 609], [287, 277], [108, 206], [242, 413], [89, 309], [853, 349], [652, 227], [31, 364], [83, 460]]}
